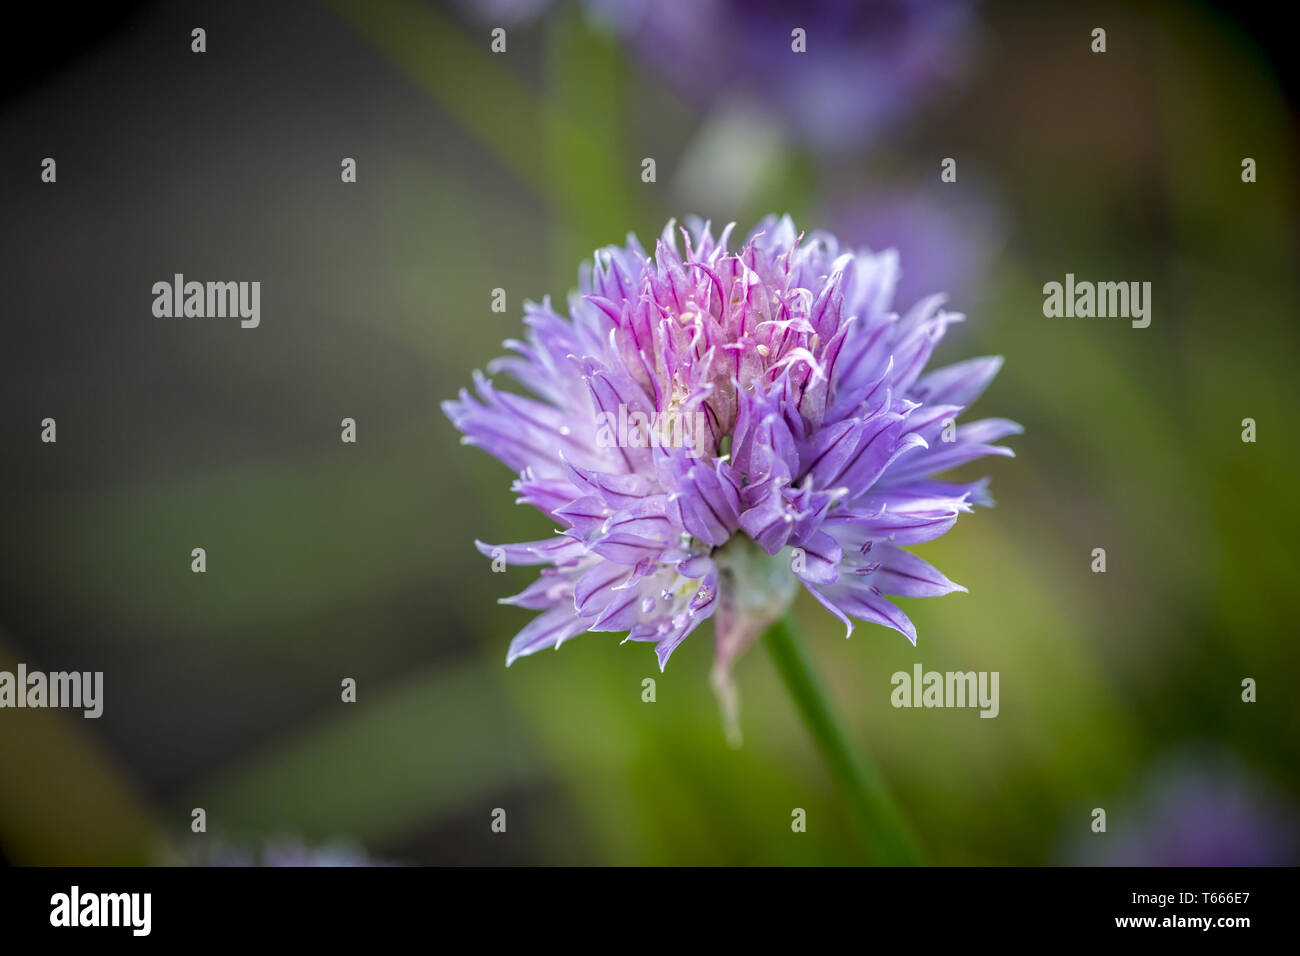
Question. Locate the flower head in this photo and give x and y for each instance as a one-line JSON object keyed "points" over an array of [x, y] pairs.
{"points": [[712, 428]]}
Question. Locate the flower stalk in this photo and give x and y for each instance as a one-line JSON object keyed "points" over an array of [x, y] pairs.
{"points": [[888, 837]]}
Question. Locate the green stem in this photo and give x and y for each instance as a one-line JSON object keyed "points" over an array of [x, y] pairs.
{"points": [[887, 834]]}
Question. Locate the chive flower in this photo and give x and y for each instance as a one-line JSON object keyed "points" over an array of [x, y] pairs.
{"points": [[711, 430]]}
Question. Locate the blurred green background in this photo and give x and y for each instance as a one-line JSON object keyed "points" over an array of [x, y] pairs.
{"points": [[476, 171]]}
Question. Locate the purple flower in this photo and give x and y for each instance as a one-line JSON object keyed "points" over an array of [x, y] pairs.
{"points": [[1197, 809], [711, 429], [948, 243], [866, 63]]}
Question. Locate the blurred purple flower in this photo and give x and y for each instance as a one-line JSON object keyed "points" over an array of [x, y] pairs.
{"points": [[867, 62], [1198, 811], [702, 411], [949, 245]]}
